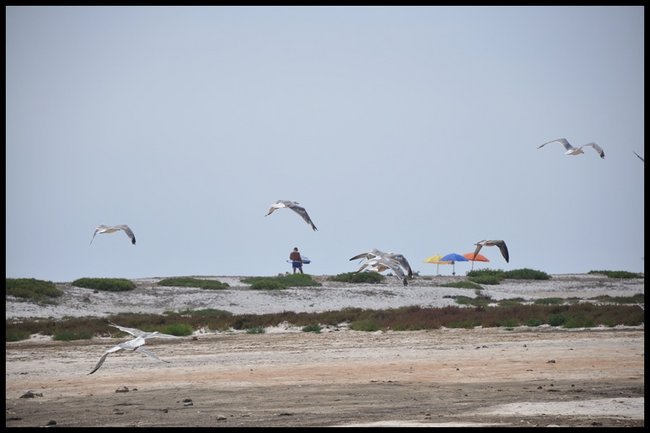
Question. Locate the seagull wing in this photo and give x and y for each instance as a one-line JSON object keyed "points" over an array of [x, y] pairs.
{"points": [[597, 148], [141, 349], [303, 213], [94, 234], [133, 331], [394, 266], [103, 358], [404, 263], [365, 256], [504, 250], [128, 232], [564, 142], [479, 245], [640, 157], [99, 364]]}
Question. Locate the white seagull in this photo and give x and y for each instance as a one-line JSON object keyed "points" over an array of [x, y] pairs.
{"points": [[135, 344], [294, 206], [397, 257], [501, 244], [570, 150], [380, 264], [111, 229]]}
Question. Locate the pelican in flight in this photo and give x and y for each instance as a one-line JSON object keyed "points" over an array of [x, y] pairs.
{"points": [[111, 229], [294, 206], [135, 344], [638, 156], [501, 244], [570, 150], [400, 259]]}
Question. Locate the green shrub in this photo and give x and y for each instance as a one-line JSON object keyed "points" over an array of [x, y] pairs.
{"points": [[637, 298], [17, 334], [526, 274], [463, 284], [617, 274], [533, 322], [549, 301], [359, 277], [105, 284], [510, 302], [193, 282], [281, 282], [367, 325], [267, 284], [256, 330], [486, 279], [207, 312], [507, 322], [495, 276], [556, 319], [68, 335], [312, 328], [178, 329], [32, 289]]}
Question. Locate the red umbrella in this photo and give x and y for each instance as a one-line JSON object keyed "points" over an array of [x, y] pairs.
{"points": [[478, 258]]}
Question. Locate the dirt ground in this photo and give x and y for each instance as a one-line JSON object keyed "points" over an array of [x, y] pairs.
{"points": [[449, 377]]}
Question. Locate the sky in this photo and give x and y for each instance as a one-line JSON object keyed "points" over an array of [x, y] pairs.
{"points": [[413, 130]]}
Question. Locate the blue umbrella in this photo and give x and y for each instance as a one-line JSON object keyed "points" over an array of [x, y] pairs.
{"points": [[453, 258]]}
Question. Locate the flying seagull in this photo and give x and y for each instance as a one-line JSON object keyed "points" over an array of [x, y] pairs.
{"points": [[294, 206], [397, 257], [570, 150], [135, 344], [111, 229], [501, 244], [640, 157], [380, 264]]}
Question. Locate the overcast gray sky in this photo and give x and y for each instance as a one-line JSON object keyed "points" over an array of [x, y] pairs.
{"points": [[407, 129]]}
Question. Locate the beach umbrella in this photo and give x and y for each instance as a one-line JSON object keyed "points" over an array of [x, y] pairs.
{"points": [[453, 258], [478, 258], [436, 260]]}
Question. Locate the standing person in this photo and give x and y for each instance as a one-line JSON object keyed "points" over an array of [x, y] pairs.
{"points": [[296, 260]]}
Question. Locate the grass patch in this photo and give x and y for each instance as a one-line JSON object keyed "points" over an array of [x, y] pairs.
{"points": [[495, 276], [193, 282], [463, 284], [617, 274], [399, 319], [638, 298], [105, 284], [359, 277], [178, 329], [549, 301], [32, 289], [312, 328], [281, 282], [70, 334]]}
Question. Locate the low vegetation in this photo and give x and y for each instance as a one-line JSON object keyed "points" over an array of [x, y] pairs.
{"points": [[495, 276], [105, 284], [193, 282], [359, 277], [31, 289], [617, 274], [280, 282], [479, 311]]}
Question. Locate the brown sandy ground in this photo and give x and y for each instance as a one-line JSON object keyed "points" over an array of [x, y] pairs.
{"points": [[449, 377]]}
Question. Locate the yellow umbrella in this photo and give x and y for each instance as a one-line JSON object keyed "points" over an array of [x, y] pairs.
{"points": [[436, 260]]}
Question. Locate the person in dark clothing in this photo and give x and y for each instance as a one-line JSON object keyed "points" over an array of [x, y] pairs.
{"points": [[296, 260]]}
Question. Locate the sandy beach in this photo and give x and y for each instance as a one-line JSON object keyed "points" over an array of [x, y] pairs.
{"points": [[541, 376]]}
